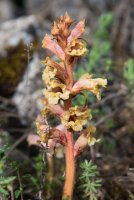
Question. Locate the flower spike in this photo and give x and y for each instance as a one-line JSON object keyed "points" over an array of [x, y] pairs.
{"points": [[60, 88]]}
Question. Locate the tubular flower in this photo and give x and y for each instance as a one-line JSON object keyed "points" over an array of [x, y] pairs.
{"points": [[77, 31], [75, 118], [75, 45], [84, 140], [86, 82], [52, 45], [58, 68], [67, 45]]}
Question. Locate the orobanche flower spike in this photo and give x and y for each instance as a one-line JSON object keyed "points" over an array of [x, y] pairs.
{"points": [[60, 88]]}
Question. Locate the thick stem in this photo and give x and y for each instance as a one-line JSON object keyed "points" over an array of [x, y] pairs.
{"points": [[70, 168]]}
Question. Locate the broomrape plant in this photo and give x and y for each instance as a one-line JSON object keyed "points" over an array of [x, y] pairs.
{"points": [[67, 45]]}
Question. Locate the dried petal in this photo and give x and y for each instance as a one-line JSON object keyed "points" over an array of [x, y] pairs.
{"points": [[67, 19], [55, 29], [61, 26]]}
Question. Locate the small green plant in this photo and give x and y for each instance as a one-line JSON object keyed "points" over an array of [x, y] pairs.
{"points": [[96, 54], [4, 184], [89, 182], [104, 23], [5, 181], [129, 72], [37, 180]]}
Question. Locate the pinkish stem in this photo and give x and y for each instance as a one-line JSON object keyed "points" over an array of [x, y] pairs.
{"points": [[70, 168]]}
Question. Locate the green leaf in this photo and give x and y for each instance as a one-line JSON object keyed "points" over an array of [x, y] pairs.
{"points": [[88, 178], [106, 19], [3, 191], [97, 52], [34, 180], [129, 71], [17, 193], [6, 180]]}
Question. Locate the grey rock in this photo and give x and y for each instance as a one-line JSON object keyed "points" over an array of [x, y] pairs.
{"points": [[29, 92], [14, 31], [16, 37], [6, 10]]}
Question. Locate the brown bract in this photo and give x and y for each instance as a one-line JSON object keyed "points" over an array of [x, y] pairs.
{"points": [[60, 29]]}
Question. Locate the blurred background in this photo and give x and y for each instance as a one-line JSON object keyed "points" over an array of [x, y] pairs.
{"points": [[110, 37]]}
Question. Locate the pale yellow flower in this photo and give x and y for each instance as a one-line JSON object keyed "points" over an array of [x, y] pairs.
{"points": [[77, 47], [49, 73], [88, 135], [55, 83], [54, 96], [75, 118], [57, 68]]}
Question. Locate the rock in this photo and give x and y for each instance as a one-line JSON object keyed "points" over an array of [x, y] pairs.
{"points": [[15, 49], [28, 93], [6, 10]]}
